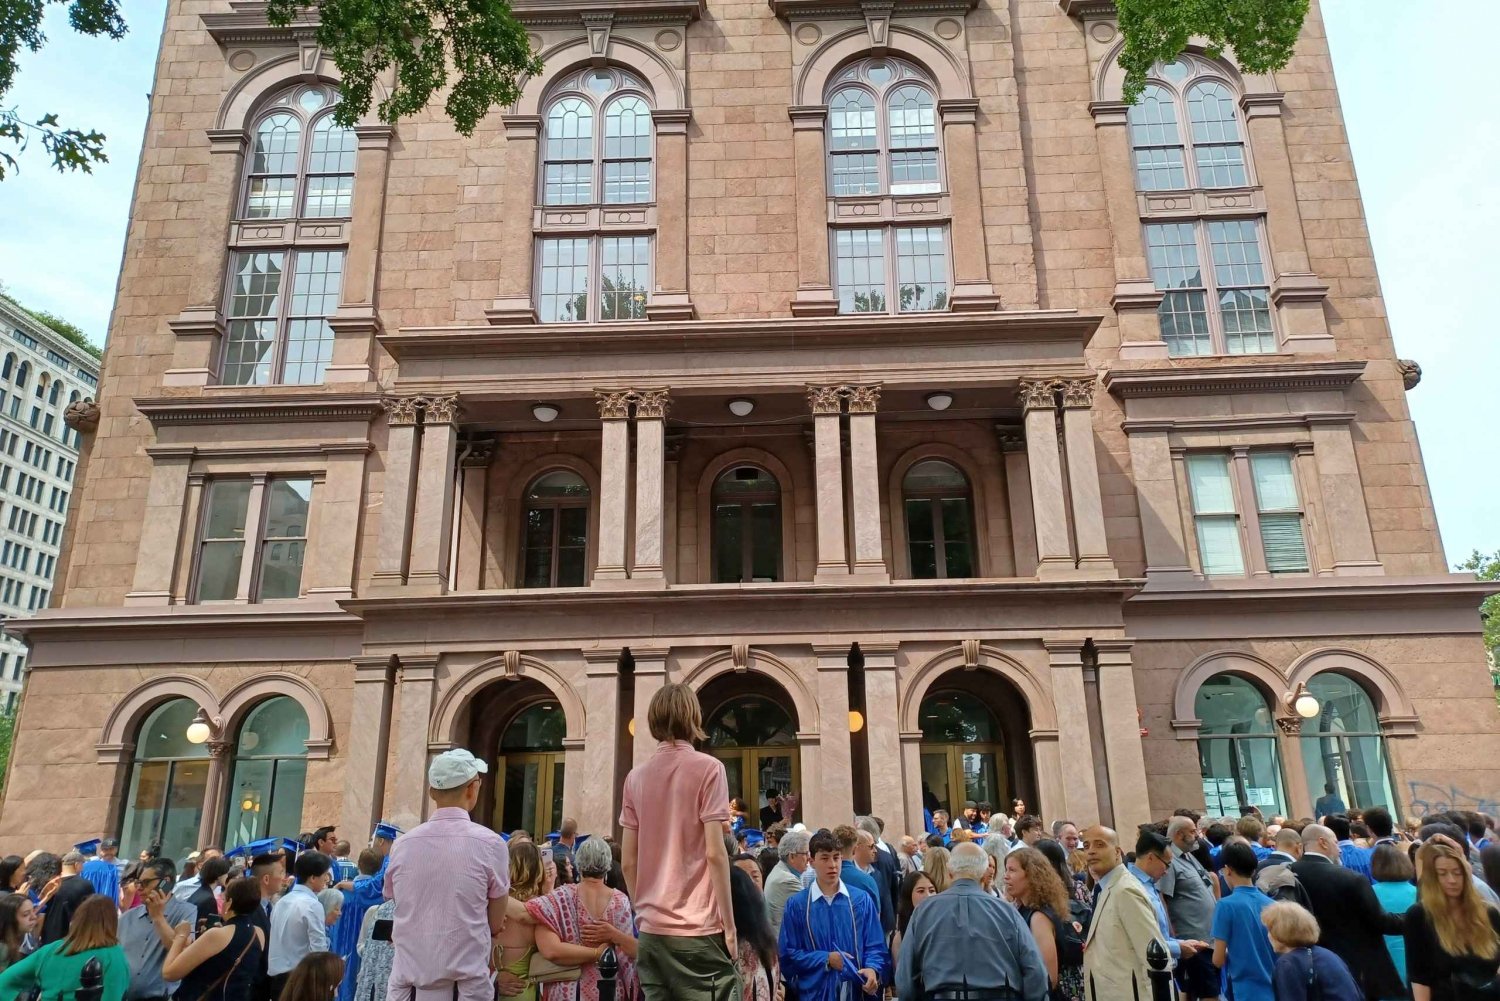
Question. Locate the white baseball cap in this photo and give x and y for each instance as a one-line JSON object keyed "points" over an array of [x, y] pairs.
{"points": [[454, 768]]}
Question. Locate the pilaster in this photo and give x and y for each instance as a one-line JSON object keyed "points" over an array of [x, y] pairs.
{"points": [[1136, 298], [1083, 479], [883, 734], [1118, 705], [972, 289], [828, 474], [356, 323], [366, 746], [1344, 508], [1044, 464], [670, 300], [828, 797], [409, 790], [396, 508], [614, 483], [814, 290], [473, 506], [593, 799], [513, 303], [161, 527], [864, 477], [340, 509], [432, 525], [1078, 798], [650, 678], [650, 478]]}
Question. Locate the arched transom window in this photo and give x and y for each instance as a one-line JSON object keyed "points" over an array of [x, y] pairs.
{"points": [[301, 163], [1187, 106], [882, 130]]}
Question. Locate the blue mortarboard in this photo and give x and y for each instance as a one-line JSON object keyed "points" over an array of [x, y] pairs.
{"points": [[264, 845], [505, 837], [88, 847], [387, 830], [753, 837], [554, 838]]}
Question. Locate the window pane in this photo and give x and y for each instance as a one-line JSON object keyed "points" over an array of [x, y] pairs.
{"points": [[958, 546], [627, 181], [558, 483], [286, 802], [1219, 546], [249, 802], [1214, 514], [1285, 548], [919, 539], [564, 281], [729, 529], [537, 571], [1347, 707], [570, 137], [1172, 251], [625, 265], [270, 197], [1236, 252], [914, 172], [276, 728], [254, 302], [855, 173], [1217, 149], [219, 570], [913, 118], [277, 143], [185, 801], [1210, 484], [1242, 770], [143, 804], [284, 547], [1281, 533], [859, 263], [568, 183], [851, 120], [1354, 767], [572, 534], [1275, 485], [1184, 323], [1156, 142], [765, 541], [228, 502], [922, 268], [1246, 315], [164, 734], [934, 474], [315, 297], [330, 166], [627, 151]]}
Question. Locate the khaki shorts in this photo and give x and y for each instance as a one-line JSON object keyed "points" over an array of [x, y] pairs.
{"points": [[686, 968]]}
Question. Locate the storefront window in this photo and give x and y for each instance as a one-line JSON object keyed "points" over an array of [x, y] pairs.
{"points": [[270, 772], [1237, 751], [1343, 749], [168, 781]]}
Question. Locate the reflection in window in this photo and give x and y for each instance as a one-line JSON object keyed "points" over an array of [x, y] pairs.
{"points": [[958, 718], [1214, 516], [222, 543], [575, 165], [864, 283], [1237, 752], [540, 727], [750, 721], [284, 542], [895, 152], [1241, 323], [746, 526], [1343, 748], [1208, 105], [298, 146], [281, 517], [280, 334], [939, 521], [164, 801], [270, 772], [554, 549]]}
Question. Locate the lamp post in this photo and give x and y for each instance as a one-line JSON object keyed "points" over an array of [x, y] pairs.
{"points": [[209, 729]]}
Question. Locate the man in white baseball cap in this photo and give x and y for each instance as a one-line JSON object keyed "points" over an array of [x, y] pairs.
{"points": [[454, 867]]}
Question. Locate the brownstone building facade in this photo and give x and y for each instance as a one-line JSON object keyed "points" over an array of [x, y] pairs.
{"points": [[956, 430]]}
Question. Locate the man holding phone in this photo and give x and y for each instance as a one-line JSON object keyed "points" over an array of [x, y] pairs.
{"points": [[146, 931]]}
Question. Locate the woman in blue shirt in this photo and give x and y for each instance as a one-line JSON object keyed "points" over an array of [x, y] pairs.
{"points": [[1393, 874]]}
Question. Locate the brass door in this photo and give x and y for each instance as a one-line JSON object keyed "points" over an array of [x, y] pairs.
{"points": [[958, 772], [529, 793], [753, 771]]}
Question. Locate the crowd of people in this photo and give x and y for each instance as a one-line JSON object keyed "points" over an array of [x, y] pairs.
{"points": [[691, 903]]}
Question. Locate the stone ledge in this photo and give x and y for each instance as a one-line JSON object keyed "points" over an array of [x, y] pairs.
{"points": [[570, 13], [245, 23], [1214, 377], [258, 408]]}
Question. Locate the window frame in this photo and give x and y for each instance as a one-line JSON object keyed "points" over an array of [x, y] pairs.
{"points": [[1238, 459], [1200, 71], [1211, 290], [933, 498], [883, 150], [594, 292], [598, 105], [745, 503], [891, 266], [307, 122], [585, 502], [257, 508], [283, 317]]}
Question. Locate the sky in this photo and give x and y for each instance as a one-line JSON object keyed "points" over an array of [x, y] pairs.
{"points": [[1426, 163]]}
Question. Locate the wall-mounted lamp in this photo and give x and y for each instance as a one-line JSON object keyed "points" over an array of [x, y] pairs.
{"points": [[940, 400], [545, 412], [741, 407], [203, 728]]}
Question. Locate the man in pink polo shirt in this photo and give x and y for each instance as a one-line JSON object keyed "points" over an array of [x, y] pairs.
{"points": [[677, 805]]}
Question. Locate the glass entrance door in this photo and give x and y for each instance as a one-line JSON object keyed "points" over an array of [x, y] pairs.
{"points": [[959, 772], [531, 793], [754, 773]]}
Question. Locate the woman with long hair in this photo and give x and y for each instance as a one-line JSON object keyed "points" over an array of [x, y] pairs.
{"points": [[221, 963], [915, 888], [757, 943], [935, 865], [576, 923], [315, 978], [55, 967], [517, 943], [1452, 938], [1058, 856], [17, 921], [1033, 884]]}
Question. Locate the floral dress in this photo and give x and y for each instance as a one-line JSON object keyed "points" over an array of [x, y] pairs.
{"points": [[755, 979], [563, 912]]}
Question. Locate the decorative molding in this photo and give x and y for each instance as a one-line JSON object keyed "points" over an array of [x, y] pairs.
{"points": [[401, 410], [862, 399], [1235, 377], [1290, 726], [739, 655], [613, 406], [1077, 394], [971, 652], [1038, 394], [1088, 10], [245, 23], [825, 399], [829, 10], [621, 13], [597, 25], [186, 453], [479, 454], [258, 409], [1012, 437], [1411, 375], [652, 404], [440, 409], [83, 415]]}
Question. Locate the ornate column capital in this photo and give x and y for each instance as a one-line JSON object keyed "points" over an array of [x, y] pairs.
{"points": [[401, 411], [614, 405], [1078, 394], [862, 399], [652, 404], [1038, 394], [441, 409], [825, 399]]}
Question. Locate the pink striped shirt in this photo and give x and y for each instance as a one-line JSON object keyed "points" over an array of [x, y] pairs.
{"points": [[442, 876]]}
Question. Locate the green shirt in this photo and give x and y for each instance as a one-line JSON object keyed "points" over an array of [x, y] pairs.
{"points": [[58, 974]]}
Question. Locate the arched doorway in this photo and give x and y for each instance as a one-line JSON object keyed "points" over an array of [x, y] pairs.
{"points": [[519, 725], [975, 743], [752, 727]]}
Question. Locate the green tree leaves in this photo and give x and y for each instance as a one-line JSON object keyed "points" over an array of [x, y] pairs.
{"points": [[1262, 33], [1487, 567]]}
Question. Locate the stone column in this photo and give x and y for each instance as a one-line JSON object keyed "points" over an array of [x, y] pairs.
{"points": [[911, 782], [883, 735], [650, 485], [1136, 298], [1297, 293], [409, 790], [614, 484], [199, 328], [473, 506], [356, 322], [1083, 478], [650, 677], [518, 199], [1161, 511], [1080, 795], [394, 546], [366, 746], [814, 291], [211, 822], [161, 526], [1018, 496], [432, 525], [1044, 465], [1119, 706], [834, 802], [828, 474], [340, 504], [864, 476], [1344, 511], [972, 289], [594, 797], [670, 300]]}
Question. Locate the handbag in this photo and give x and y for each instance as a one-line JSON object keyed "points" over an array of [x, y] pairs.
{"points": [[542, 970]]}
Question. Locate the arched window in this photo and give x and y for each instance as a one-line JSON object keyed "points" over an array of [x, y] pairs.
{"points": [[883, 140], [42, 382], [939, 520], [756, 739], [1156, 141], [10, 366], [962, 751], [555, 546], [746, 526], [597, 149], [55, 393], [164, 800], [270, 772], [1343, 749], [1192, 90], [22, 374], [301, 166], [531, 770], [1237, 750]]}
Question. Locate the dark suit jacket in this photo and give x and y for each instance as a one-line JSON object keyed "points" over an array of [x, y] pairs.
{"points": [[260, 988], [70, 893], [1352, 923], [1272, 859], [203, 899]]}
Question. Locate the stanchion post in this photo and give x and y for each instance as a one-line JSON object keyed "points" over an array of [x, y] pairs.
{"points": [[1161, 977]]}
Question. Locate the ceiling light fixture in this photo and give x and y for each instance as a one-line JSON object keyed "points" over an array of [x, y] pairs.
{"points": [[940, 400], [741, 407], [545, 412]]}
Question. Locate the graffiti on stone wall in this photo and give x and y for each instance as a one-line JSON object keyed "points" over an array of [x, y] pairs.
{"points": [[1425, 798]]}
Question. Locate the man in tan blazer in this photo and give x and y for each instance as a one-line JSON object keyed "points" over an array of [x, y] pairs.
{"points": [[1123, 926]]}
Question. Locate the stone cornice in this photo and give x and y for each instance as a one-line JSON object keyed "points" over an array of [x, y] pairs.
{"points": [[824, 10], [1325, 593], [258, 409], [568, 13], [1088, 10], [1213, 379], [176, 620], [245, 23]]}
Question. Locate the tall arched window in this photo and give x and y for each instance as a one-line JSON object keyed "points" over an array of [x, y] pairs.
{"points": [[1237, 750], [597, 149], [10, 366], [1193, 90], [883, 140], [531, 770], [270, 772], [55, 393], [962, 751], [23, 374], [164, 800], [939, 520], [1343, 749], [301, 166], [746, 526], [555, 545], [756, 739]]}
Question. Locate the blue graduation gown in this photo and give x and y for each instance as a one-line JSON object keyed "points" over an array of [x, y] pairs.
{"points": [[368, 892], [104, 877], [811, 928]]}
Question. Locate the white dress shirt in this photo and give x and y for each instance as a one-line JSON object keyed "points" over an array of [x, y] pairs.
{"points": [[297, 930]]}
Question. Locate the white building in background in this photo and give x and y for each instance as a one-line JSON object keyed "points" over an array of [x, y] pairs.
{"points": [[41, 372]]}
